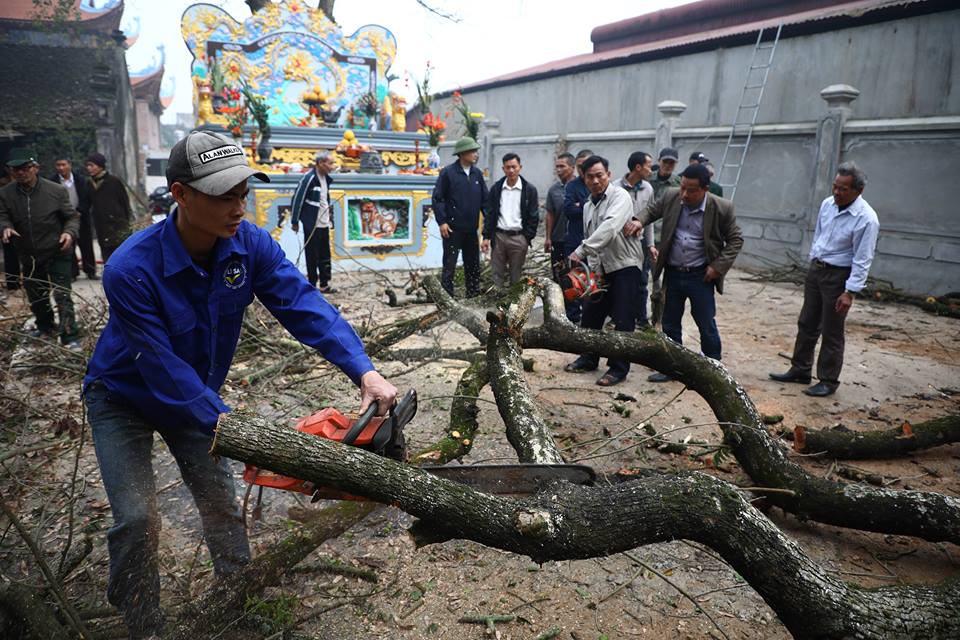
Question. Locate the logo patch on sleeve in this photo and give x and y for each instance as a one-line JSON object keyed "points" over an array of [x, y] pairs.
{"points": [[226, 151], [235, 275]]}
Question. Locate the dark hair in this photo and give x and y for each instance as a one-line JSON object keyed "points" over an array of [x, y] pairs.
{"points": [[637, 157], [697, 172], [568, 158], [852, 170], [592, 160], [64, 158], [584, 153], [507, 157]]}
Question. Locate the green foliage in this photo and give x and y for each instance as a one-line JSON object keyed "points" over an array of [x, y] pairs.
{"points": [[258, 109], [277, 611], [217, 82], [59, 12]]}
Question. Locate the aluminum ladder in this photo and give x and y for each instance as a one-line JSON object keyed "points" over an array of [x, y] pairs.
{"points": [[745, 119]]}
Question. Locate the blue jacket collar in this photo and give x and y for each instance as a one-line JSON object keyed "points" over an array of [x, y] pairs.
{"points": [[175, 256]]}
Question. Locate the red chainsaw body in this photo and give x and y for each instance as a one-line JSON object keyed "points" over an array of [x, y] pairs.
{"points": [[327, 423]]}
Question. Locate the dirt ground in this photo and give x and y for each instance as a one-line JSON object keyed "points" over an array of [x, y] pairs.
{"points": [[901, 364]]}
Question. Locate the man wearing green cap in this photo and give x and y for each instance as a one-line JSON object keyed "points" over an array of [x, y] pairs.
{"points": [[36, 215], [458, 198]]}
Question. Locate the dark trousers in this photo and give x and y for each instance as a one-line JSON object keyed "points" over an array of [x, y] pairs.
{"points": [[469, 244], [39, 279], [316, 249], [11, 266], [106, 250], [818, 318], [88, 261], [642, 318], [558, 266], [679, 286], [123, 441], [573, 309], [617, 301]]}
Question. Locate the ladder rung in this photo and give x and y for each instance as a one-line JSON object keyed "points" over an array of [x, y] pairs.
{"points": [[755, 105], [759, 66], [735, 145]]}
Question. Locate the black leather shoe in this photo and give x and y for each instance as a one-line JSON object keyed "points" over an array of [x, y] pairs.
{"points": [[659, 377], [580, 365], [821, 390], [791, 376]]}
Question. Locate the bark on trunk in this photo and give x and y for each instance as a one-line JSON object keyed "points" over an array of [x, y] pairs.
{"points": [[572, 522], [890, 443], [929, 516]]}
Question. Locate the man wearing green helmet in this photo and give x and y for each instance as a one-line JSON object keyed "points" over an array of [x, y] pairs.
{"points": [[458, 198]]}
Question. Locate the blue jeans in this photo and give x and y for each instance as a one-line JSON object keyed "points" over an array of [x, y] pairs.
{"points": [[618, 301], [123, 440], [680, 286]]}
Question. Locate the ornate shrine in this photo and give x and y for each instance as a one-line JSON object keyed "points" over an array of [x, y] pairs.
{"points": [[287, 83]]}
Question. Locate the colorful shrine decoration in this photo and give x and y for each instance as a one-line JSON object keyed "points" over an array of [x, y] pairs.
{"points": [[307, 71]]}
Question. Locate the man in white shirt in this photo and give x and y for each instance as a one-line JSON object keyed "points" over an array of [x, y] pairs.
{"points": [[78, 191], [510, 222], [840, 256]]}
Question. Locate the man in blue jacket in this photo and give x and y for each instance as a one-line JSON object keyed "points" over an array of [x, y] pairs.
{"points": [[575, 196], [177, 292], [458, 197], [510, 222], [311, 205]]}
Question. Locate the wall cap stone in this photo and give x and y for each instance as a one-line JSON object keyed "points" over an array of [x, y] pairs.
{"points": [[671, 108], [839, 96]]}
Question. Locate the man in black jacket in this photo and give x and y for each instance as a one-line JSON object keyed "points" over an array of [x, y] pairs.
{"points": [[37, 216], [458, 197], [78, 190], [510, 221], [109, 205]]}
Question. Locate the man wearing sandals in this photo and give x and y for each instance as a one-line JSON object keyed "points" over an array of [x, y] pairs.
{"points": [[618, 257]]}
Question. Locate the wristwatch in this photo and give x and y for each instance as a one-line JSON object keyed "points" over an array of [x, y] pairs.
{"points": [[852, 294]]}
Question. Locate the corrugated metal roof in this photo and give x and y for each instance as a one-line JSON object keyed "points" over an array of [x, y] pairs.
{"points": [[623, 55]]}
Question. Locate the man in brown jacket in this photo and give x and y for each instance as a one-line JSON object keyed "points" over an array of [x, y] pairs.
{"points": [[699, 241], [109, 204]]}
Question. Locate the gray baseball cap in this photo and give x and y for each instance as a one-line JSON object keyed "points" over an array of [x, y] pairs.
{"points": [[210, 163]]}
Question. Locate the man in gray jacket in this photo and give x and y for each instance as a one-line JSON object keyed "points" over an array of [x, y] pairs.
{"points": [[36, 215], [613, 254]]}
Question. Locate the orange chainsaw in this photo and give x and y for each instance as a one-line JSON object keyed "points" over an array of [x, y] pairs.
{"points": [[384, 436]]}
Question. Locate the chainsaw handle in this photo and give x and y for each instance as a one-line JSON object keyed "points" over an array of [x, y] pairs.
{"points": [[361, 423]]}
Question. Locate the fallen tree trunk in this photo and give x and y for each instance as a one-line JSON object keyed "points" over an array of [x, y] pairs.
{"points": [[570, 522], [930, 516], [861, 445]]}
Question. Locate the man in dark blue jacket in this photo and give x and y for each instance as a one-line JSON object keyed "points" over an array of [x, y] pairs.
{"points": [[575, 195], [510, 221], [458, 197], [177, 292], [311, 205]]}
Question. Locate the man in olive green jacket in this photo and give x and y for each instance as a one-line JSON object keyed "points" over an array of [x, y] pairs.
{"points": [[699, 242], [36, 215]]}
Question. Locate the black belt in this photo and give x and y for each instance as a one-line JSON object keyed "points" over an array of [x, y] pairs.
{"points": [[511, 232], [820, 264], [686, 269]]}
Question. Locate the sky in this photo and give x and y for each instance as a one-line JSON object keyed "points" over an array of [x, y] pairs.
{"points": [[492, 37]]}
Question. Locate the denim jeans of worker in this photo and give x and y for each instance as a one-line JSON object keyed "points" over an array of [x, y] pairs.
{"points": [[681, 286], [56, 275], [642, 317], [618, 301], [123, 440]]}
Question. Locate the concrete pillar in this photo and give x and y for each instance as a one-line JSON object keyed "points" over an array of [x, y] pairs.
{"points": [[670, 111], [839, 98], [489, 131]]}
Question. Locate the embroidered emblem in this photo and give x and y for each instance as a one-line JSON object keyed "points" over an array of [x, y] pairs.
{"points": [[225, 151], [235, 275]]}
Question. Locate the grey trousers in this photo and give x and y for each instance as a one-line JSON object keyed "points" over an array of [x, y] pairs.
{"points": [[509, 252], [819, 320]]}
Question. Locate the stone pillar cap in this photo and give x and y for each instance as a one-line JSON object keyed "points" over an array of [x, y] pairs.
{"points": [[839, 95], [671, 107]]}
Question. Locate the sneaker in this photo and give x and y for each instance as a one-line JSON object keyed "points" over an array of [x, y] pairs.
{"points": [[659, 377], [40, 334], [74, 346], [327, 290]]}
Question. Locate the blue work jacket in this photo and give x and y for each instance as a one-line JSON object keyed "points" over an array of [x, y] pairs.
{"points": [[174, 326], [575, 195]]}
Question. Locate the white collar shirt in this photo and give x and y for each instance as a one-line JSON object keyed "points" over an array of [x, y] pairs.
{"points": [[847, 238], [510, 218]]}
